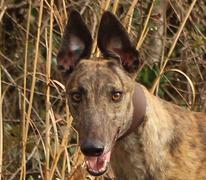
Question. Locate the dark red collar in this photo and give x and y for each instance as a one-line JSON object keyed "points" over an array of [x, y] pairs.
{"points": [[139, 103]]}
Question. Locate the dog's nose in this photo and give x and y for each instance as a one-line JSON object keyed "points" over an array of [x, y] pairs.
{"points": [[92, 148]]}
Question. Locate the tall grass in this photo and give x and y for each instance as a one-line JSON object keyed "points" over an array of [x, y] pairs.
{"points": [[37, 139], [1, 129]]}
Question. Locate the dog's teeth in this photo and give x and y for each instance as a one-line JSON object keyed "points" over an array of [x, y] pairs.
{"points": [[92, 170]]}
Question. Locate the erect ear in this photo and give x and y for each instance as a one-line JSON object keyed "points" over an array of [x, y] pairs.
{"points": [[76, 44], [113, 41]]}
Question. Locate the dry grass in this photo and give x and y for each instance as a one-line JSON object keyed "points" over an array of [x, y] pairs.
{"points": [[37, 140]]}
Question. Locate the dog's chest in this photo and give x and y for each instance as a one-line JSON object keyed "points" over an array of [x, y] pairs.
{"points": [[125, 163]]}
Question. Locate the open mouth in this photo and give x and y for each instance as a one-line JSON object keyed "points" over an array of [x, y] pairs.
{"points": [[98, 165]]}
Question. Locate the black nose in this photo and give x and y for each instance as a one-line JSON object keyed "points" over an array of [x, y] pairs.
{"points": [[92, 148]]}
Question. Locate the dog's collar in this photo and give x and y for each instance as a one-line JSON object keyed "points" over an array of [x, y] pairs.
{"points": [[139, 104]]}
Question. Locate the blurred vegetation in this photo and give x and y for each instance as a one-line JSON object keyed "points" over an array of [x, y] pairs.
{"points": [[38, 139]]}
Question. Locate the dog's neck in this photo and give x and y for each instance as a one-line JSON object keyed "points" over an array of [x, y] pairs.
{"points": [[147, 136], [139, 104]]}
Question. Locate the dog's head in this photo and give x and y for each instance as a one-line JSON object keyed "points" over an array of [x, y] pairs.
{"points": [[99, 90]]}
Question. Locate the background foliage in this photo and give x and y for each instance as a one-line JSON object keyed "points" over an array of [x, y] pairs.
{"points": [[37, 140]]}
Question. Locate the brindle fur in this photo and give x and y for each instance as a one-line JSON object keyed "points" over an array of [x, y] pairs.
{"points": [[170, 143]]}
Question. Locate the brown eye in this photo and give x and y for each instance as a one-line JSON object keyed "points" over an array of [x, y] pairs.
{"points": [[76, 97], [116, 96]]}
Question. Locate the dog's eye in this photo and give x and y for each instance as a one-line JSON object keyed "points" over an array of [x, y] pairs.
{"points": [[76, 97], [116, 96]]}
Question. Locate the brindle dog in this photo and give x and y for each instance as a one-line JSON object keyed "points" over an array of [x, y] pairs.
{"points": [[145, 136]]}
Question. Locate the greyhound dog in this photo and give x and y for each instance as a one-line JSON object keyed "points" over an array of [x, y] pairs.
{"points": [[119, 122]]}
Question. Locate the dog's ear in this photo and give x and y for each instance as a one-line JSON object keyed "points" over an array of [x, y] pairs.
{"points": [[76, 44], [113, 41]]}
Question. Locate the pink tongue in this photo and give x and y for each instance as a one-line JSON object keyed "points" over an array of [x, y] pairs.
{"points": [[98, 163]]}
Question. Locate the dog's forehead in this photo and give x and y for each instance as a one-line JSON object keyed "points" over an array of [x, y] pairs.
{"points": [[96, 71], [97, 67], [92, 63]]}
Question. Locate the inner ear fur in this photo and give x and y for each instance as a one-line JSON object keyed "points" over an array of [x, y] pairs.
{"points": [[113, 41], [76, 43]]}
